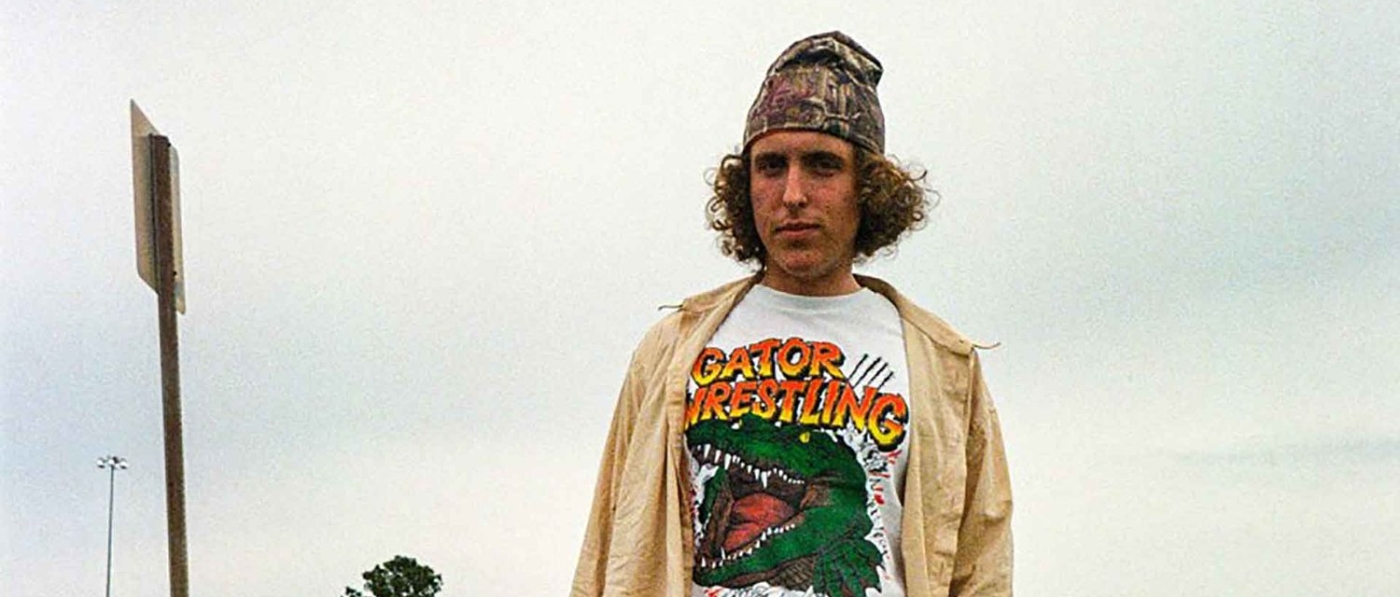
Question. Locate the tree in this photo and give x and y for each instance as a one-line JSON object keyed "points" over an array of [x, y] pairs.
{"points": [[400, 577]]}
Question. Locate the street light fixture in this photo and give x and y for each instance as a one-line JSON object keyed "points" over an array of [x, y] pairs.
{"points": [[112, 464]]}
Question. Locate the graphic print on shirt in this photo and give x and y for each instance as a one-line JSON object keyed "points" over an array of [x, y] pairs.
{"points": [[790, 442]]}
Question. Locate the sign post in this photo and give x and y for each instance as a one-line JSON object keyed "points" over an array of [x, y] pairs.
{"points": [[155, 172]]}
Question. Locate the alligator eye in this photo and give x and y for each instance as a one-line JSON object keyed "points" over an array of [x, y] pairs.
{"points": [[737, 425], [805, 437]]}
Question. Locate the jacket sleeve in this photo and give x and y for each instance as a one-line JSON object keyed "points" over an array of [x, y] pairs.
{"points": [[983, 562], [590, 577]]}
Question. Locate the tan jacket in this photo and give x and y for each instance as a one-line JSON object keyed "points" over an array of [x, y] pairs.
{"points": [[957, 494]]}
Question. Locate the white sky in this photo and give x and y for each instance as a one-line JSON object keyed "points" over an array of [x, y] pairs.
{"points": [[422, 238]]}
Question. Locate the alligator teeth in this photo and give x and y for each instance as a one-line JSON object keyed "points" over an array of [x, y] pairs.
{"points": [[709, 454]]}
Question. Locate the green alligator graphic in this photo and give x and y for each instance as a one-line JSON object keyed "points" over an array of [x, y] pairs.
{"points": [[786, 506]]}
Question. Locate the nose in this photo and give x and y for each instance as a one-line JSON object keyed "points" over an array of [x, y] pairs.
{"points": [[794, 189]]}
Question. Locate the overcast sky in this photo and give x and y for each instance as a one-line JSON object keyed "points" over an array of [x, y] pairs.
{"points": [[422, 238]]}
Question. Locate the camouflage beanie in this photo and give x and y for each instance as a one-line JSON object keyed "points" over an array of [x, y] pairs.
{"points": [[822, 83]]}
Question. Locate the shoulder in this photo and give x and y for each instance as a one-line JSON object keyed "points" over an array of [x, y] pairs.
{"points": [[687, 318], [920, 320], [722, 297]]}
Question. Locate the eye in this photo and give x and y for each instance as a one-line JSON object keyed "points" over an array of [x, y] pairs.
{"points": [[826, 166], [805, 437], [737, 425], [768, 166]]}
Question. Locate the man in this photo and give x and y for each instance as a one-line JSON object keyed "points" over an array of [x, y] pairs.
{"points": [[805, 431]]}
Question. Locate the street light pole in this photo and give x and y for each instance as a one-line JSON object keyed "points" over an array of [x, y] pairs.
{"points": [[112, 464]]}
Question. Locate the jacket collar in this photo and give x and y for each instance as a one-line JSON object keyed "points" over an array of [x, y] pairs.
{"points": [[937, 330]]}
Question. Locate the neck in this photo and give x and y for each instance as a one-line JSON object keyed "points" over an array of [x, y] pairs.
{"points": [[837, 284]]}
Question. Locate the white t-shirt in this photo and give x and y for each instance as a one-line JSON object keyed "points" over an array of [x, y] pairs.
{"points": [[796, 427]]}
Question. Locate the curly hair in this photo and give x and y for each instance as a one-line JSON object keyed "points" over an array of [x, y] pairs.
{"points": [[893, 202]]}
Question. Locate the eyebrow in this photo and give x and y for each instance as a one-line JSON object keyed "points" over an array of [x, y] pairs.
{"points": [[810, 157], [822, 155]]}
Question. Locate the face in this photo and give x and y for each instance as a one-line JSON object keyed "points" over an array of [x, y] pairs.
{"points": [[802, 185]]}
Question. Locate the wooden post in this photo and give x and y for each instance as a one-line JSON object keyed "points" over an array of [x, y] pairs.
{"points": [[169, 366]]}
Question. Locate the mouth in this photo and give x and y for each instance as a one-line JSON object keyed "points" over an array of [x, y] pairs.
{"points": [[756, 505], [797, 228]]}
